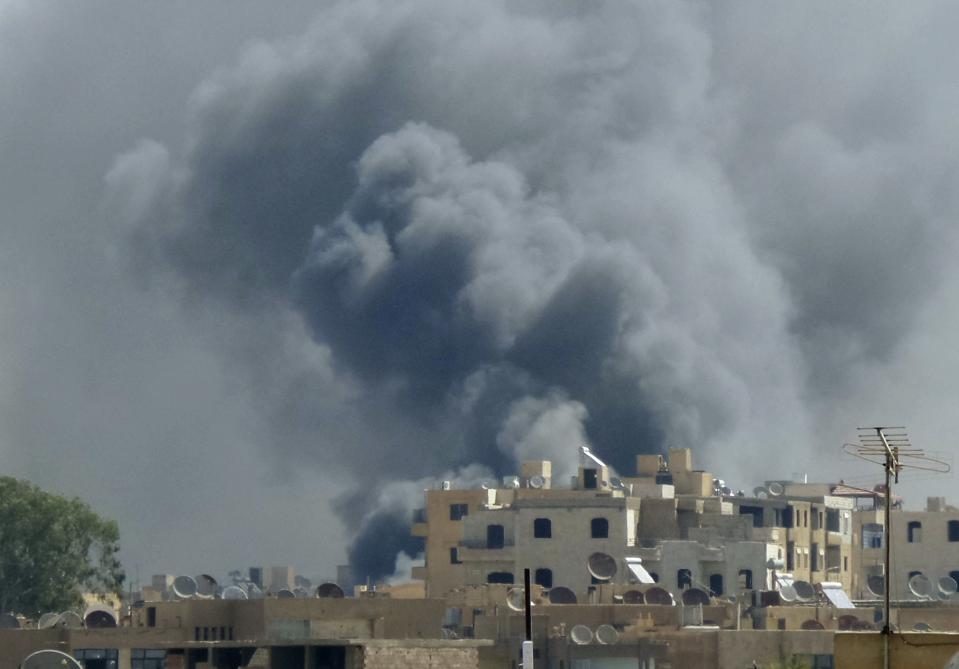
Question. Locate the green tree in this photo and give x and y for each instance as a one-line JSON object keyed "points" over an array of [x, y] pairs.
{"points": [[52, 550]]}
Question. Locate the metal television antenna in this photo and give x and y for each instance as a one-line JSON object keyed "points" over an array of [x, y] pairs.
{"points": [[890, 447]]}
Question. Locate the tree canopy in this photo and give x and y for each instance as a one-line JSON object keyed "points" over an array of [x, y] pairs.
{"points": [[53, 550]]}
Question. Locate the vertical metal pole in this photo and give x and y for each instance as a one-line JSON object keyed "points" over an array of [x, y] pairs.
{"points": [[887, 544], [527, 653], [528, 606]]}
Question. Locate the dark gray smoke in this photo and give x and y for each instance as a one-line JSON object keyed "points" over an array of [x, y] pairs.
{"points": [[472, 233]]}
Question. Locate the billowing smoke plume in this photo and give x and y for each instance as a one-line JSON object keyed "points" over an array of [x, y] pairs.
{"points": [[467, 234]]}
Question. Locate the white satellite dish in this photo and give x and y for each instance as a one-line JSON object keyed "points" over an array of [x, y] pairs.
{"points": [[805, 592], [788, 593], [234, 592], [876, 585], [285, 593], [69, 620], [601, 566], [581, 635], [920, 586], [329, 591], [561, 595], [694, 596], [659, 596], [921, 626], [8, 621], [947, 585], [184, 587], [48, 620], [516, 599], [606, 634], [776, 489], [205, 586], [253, 591], [50, 659], [99, 618], [537, 481]]}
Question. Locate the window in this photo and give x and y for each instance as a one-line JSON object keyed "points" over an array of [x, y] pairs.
{"points": [[589, 479], [684, 578], [872, 535], [745, 579], [544, 577], [146, 658], [755, 511], [815, 557], [790, 559], [542, 528], [954, 575], [151, 616], [954, 530], [716, 584], [599, 528], [459, 511], [788, 517], [495, 537], [845, 563], [805, 518], [455, 556], [832, 520], [653, 575], [914, 532], [500, 577]]}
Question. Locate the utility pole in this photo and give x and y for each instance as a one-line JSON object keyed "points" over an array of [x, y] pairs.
{"points": [[890, 447]]}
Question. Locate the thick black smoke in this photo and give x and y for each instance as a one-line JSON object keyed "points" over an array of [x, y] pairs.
{"points": [[471, 233]]}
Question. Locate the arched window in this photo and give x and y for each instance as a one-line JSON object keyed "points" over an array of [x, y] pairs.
{"points": [[495, 537], [599, 528], [914, 532], [542, 528], [954, 530], [544, 577], [716, 584], [684, 578], [745, 579], [500, 577]]}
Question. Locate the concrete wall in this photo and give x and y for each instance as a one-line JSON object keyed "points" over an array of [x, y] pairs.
{"points": [[912, 650], [404, 656]]}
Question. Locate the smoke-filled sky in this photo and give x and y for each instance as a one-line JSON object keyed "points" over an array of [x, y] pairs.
{"points": [[267, 273]]}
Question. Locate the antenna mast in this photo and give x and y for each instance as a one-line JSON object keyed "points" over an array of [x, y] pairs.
{"points": [[890, 447]]}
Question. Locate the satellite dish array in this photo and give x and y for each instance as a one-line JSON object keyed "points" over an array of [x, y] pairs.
{"points": [[205, 586], [96, 617], [50, 659], [605, 634], [798, 591]]}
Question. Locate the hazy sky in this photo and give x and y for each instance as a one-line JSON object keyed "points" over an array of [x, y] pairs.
{"points": [[265, 274]]}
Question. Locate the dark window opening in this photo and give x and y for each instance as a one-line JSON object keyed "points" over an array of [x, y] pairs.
{"points": [[542, 528], [495, 536], [589, 479], [755, 511], [954, 530], [151, 616], [790, 556], [599, 528], [746, 579], [955, 576], [914, 532], [653, 575], [684, 578], [544, 577], [716, 584], [788, 516], [459, 511], [500, 577], [815, 557], [455, 556], [832, 520]]}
